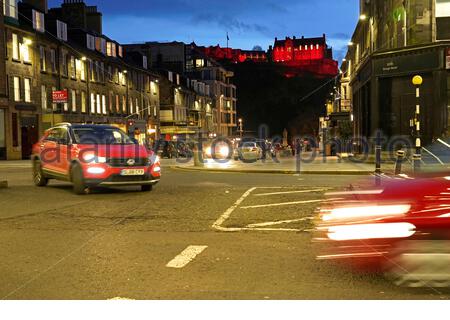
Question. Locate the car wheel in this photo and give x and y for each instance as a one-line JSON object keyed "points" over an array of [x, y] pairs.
{"points": [[38, 176], [79, 186], [146, 188]]}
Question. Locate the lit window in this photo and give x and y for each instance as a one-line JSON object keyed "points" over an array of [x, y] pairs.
{"points": [[83, 101], [74, 100], [61, 30], [42, 58], [317, 46], [90, 41], [92, 103], [103, 104], [27, 89], [120, 51], [15, 46], [99, 104], [65, 104], [25, 50], [44, 97], [83, 70], [73, 68], [10, 8], [199, 63], [16, 89], [109, 49], [144, 62], [38, 21]]}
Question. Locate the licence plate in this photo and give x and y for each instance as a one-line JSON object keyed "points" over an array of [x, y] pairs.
{"points": [[132, 172]]}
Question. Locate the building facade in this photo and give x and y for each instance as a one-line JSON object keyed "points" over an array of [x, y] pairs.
{"points": [[63, 49], [186, 107], [190, 62], [395, 40]]}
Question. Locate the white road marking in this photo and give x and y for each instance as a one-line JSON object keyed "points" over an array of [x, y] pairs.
{"points": [[218, 224], [274, 223], [226, 215], [286, 203], [120, 298], [290, 192], [188, 254]]}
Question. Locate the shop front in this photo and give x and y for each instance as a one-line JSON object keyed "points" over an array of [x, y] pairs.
{"points": [[385, 98]]}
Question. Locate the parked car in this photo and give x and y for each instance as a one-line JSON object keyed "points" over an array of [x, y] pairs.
{"points": [[401, 229], [248, 151], [93, 155]]}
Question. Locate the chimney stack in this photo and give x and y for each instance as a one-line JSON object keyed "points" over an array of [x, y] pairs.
{"points": [[94, 19], [40, 5]]}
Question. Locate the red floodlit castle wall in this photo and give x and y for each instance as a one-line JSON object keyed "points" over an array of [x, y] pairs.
{"points": [[234, 55], [297, 55], [302, 55]]}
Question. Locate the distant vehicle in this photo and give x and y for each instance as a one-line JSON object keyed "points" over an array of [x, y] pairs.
{"points": [[248, 151], [93, 155], [402, 229]]}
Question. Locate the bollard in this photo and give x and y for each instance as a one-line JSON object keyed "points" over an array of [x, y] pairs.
{"points": [[416, 162], [198, 158], [378, 159], [399, 161]]}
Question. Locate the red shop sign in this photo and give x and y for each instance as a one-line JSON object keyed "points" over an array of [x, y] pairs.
{"points": [[60, 96]]}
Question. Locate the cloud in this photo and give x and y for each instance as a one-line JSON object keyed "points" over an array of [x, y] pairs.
{"points": [[229, 23], [340, 36]]}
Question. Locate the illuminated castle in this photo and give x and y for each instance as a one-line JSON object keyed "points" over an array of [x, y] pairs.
{"points": [[296, 56]]}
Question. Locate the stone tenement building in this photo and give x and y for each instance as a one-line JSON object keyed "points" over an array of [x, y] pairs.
{"points": [[63, 48]]}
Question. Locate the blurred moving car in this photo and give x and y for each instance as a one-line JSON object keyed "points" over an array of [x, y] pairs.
{"points": [[218, 149], [93, 155], [248, 151], [402, 229]]}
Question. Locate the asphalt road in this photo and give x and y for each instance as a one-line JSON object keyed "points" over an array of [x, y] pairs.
{"points": [[118, 243]]}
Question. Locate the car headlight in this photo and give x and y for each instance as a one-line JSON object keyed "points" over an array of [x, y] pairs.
{"points": [[92, 158], [224, 151]]}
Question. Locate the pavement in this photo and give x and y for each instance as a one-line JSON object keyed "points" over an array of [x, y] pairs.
{"points": [[307, 165], [197, 235]]}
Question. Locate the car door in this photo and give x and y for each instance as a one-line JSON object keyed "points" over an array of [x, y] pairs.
{"points": [[63, 151], [48, 150]]}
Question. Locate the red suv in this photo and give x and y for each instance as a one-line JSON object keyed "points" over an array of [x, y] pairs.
{"points": [[93, 155]]}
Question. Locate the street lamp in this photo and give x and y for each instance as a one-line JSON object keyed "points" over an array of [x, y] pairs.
{"points": [[417, 82], [362, 17], [241, 128]]}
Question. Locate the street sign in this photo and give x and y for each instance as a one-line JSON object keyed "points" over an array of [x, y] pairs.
{"points": [[447, 58], [60, 96]]}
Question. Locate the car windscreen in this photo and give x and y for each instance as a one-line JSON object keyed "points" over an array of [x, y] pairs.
{"points": [[101, 136]]}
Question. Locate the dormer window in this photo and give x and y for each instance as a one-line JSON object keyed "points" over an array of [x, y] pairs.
{"points": [[144, 62], [10, 8], [38, 21], [61, 30], [90, 42]]}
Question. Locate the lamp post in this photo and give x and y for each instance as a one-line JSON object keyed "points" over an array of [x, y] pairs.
{"points": [[417, 158], [241, 128]]}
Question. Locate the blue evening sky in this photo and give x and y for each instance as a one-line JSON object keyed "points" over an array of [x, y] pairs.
{"points": [[248, 22]]}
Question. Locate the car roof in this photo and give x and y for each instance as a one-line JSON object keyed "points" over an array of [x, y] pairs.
{"points": [[86, 126]]}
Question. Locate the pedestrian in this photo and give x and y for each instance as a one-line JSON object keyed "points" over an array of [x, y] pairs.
{"points": [[298, 147]]}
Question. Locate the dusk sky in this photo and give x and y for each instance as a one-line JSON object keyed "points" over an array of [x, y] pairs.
{"points": [[248, 22]]}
